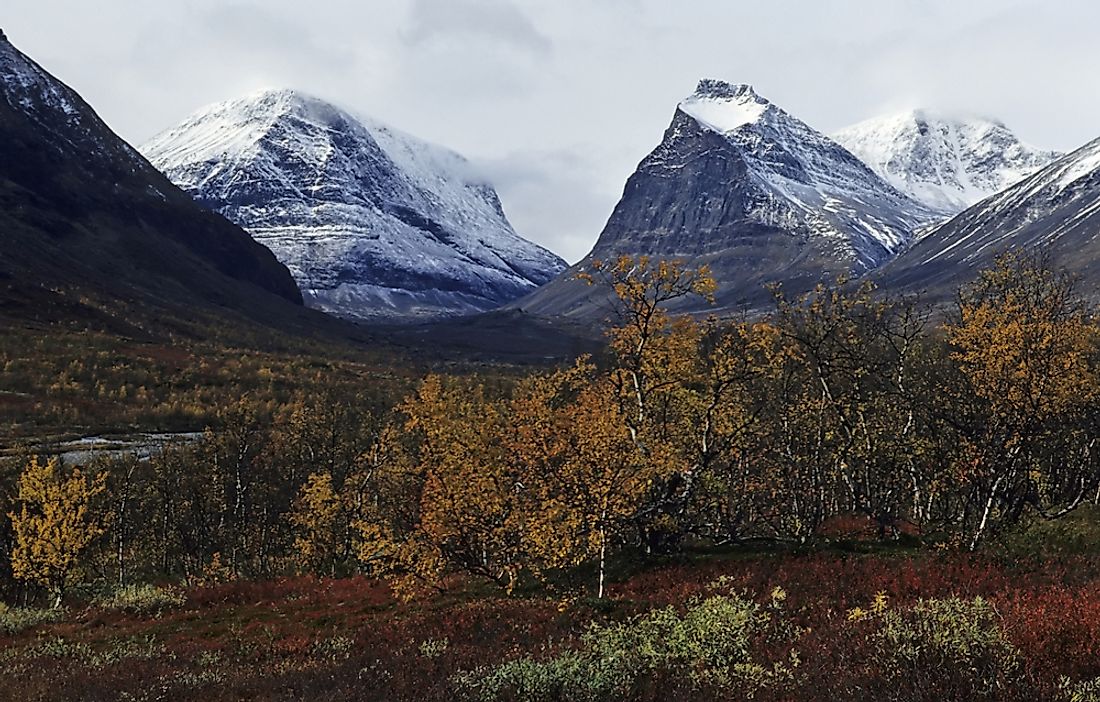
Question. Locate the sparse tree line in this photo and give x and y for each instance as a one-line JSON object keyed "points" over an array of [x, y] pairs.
{"points": [[840, 407]]}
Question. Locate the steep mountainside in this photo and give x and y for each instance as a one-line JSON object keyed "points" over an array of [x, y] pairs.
{"points": [[86, 222], [946, 163], [373, 223], [1056, 211], [740, 184]]}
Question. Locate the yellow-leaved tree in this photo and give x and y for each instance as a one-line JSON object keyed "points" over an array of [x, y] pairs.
{"points": [[583, 481], [457, 493], [1024, 341], [651, 346], [655, 358], [316, 518], [54, 524]]}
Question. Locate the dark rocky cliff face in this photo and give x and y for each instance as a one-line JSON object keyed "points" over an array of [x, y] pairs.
{"points": [[695, 198], [79, 207]]}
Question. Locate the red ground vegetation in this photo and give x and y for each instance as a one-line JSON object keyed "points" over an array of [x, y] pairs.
{"points": [[348, 639]]}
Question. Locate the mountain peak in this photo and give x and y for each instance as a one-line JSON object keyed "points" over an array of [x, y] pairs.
{"points": [[756, 193], [923, 116], [268, 102], [281, 95], [374, 223], [947, 161], [722, 90], [724, 107]]}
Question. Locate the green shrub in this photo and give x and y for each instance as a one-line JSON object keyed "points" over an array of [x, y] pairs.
{"points": [[112, 652], [711, 644], [940, 645], [16, 619], [334, 649], [142, 599], [434, 648], [56, 647]]}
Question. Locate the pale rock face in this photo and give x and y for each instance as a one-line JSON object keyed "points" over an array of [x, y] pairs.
{"points": [[373, 223], [947, 163]]}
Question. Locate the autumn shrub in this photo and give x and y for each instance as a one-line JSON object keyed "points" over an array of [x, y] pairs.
{"points": [[333, 649], [716, 642], [112, 652], [53, 647], [1080, 691], [937, 649], [142, 599], [1058, 626], [16, 619]]}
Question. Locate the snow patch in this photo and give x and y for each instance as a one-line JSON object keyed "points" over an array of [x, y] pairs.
{"points": [[724, 115]]}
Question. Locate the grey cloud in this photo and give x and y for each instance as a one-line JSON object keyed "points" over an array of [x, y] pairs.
{"points": [[553, 197], [455, 22]]}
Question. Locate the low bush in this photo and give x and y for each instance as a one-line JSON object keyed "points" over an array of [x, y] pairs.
{"points": [[1082, 691], [939, 649], [16, 619], [720, 641], [142, 599]]}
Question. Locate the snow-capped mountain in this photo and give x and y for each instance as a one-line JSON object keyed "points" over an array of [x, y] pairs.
{"points": [[742, 185], [947, 163], [373, 223], [1055, 211], [88, 227]]}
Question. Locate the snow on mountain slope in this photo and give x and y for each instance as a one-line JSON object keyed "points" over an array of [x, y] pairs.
{"points": [[742, 185], [947, 163], [813, 185], [1055, 211], [372, 222]]}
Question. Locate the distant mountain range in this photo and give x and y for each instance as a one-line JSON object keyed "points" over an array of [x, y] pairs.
{"points": [[1056, 211], [374, 224], [917, 199], [369, 223], [761, 197]]}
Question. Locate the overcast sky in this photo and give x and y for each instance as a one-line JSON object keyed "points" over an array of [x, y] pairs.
{"points": [[558, 100]]}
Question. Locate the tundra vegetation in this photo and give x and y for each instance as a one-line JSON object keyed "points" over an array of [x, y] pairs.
{"points": [[840, 499]]}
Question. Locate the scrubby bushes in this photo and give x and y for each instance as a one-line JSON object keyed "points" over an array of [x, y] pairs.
{"points": [[15, 619], [941, 649], [111, 652], [724, 641], [729, 646], [1033, 636], [1083, 691], [142, 599]]}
